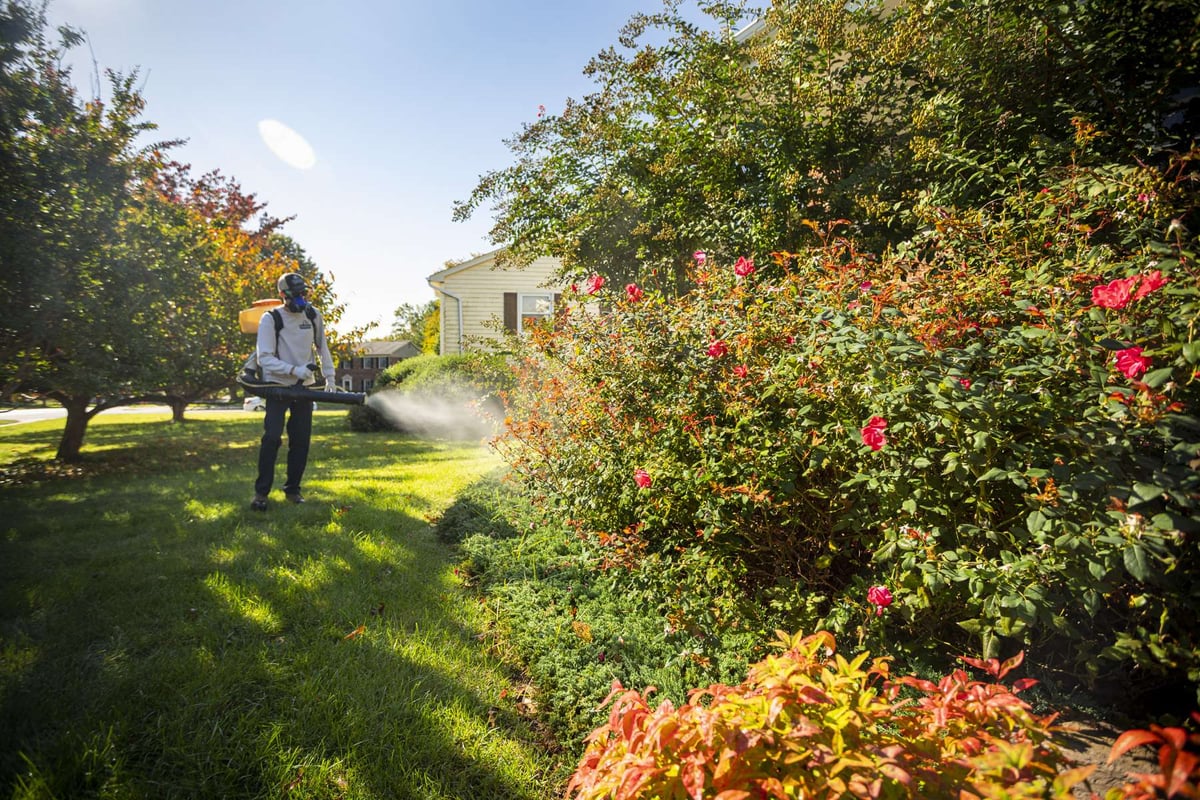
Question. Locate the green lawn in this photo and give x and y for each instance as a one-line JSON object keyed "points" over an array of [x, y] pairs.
{"points": [[159, 639]]}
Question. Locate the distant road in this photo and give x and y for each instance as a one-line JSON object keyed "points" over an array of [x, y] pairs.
{"points": [[8, 415]]}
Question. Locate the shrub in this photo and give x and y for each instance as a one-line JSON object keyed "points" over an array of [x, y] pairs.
{"points": [[809, 723], [996, 422], [1178, 760]]}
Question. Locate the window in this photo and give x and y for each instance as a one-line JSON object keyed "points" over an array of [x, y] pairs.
{"points": [[534, 309]]}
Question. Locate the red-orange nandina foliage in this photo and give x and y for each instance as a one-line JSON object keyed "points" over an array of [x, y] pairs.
{"points": [[808, 723], [1178, 763]]}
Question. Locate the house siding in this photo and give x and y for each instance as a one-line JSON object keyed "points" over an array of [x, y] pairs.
{"points": [[481, 288]]}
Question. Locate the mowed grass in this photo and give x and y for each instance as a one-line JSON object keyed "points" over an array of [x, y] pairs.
{"points": [[158, 639]]}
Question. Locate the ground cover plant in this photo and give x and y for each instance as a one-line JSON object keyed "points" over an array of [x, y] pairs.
{"points": [[158, 639]]}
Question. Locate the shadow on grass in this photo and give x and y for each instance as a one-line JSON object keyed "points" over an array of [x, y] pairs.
{"points": [[159, 639]]}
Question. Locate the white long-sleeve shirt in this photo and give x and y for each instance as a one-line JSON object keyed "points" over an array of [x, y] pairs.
{"points": [[295, 349]]}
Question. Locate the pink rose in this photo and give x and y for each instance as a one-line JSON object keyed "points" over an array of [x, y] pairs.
{"points": [[880, 597], [1131, 362], [642, 478], [634, 293], [744, 267], [872, 433], [965, 382], [718, 348], [700, 257], [740, 371], [593, 284]]}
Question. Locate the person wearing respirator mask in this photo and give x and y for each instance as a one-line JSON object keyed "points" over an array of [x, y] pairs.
{"points": [[286, 358]]}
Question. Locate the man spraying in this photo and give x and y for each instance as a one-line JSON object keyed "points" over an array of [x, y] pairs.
{"points": [[287, 337]]}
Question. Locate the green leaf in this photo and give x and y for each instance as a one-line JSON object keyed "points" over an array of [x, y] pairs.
{"points": [[1035, 521], [1191, 351], [1147, 492], [1158, 377], [1137, 562], [992, 474], [1111, 344]]}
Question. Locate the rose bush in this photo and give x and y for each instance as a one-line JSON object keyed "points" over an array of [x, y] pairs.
{"points": [[997, 420]]}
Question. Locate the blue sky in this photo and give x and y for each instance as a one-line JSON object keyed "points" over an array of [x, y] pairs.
{"points": [[404, 105]]}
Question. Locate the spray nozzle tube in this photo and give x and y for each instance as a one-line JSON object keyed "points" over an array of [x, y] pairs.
{"points": [[304, 393]]}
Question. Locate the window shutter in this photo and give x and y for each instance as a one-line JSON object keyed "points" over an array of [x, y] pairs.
{"points": [[510, 311]]}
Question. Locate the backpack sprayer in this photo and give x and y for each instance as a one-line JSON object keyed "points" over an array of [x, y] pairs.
{"points": [[251, 380]]}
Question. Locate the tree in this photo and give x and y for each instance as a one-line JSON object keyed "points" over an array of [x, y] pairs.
{"points": [[73, 328], [412, 323], [433, 330], [125, 273], [700, 139]]}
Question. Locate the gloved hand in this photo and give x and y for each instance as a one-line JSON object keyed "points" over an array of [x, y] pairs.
{"points": [[330, 387], [303, 374]]}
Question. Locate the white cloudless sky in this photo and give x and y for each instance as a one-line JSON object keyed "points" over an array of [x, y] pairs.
{"points": [[403, 104]]}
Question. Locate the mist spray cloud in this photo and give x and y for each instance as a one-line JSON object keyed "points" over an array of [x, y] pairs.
{"points": [[447, 415]]}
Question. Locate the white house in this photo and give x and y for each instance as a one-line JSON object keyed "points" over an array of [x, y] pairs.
{"points": [[477, 298]]}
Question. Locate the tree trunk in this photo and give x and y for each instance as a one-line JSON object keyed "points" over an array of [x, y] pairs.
{"points": [[177, 404], [77, 421]]}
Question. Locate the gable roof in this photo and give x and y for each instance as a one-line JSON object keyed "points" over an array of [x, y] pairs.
{"points": [[470, 263], [383, 347]]}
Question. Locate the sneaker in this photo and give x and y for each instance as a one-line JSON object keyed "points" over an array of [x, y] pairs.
{"points": [[259, 503], [295, 498]]}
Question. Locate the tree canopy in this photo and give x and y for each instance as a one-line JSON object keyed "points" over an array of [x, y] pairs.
{"points": [[702, 138], [124, 274]]}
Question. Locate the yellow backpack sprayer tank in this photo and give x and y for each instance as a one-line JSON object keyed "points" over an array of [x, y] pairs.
{"points": [[248, 321], [248, 318]]}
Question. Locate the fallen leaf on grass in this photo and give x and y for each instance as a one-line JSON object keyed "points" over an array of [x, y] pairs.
{"points": [[354, 634]]}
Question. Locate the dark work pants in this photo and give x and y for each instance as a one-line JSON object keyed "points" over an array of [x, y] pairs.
{"points": [[299, 432]]}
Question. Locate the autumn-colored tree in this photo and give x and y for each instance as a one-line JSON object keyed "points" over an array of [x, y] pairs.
{"points": [[218, 251]]}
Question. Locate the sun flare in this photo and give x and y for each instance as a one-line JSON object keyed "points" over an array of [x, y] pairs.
{"points": [[288, 145]]}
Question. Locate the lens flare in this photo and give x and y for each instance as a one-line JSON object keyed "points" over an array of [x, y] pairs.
{"points": [[289, 146]]}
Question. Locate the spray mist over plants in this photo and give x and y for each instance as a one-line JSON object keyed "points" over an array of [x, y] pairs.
{"points": [[446, 415]]}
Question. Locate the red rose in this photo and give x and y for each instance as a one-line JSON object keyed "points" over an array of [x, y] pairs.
{"points": [[642, 478], [718, 348], [1131, 362], [1115, 294], [872, 433], [1150, 282], [743, 267], [880, 597], [634, 293], [593, 284]]}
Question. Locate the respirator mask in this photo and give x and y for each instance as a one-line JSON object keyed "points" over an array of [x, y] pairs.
{"points": [[294, 290]]}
